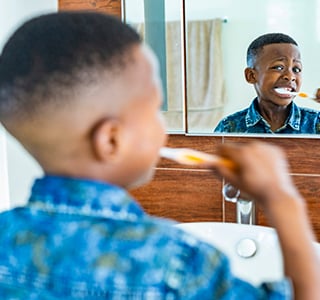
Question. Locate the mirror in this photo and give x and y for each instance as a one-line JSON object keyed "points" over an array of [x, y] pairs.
{"points": [[160, 24], [216, 35]]}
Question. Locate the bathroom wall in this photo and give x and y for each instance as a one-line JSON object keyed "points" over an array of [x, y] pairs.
{"points": [[15, 12], [17, 168], [194, 195], [4, 186]]}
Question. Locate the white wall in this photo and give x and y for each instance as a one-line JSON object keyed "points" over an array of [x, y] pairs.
{"points": [[15, 12], [22, 169], [4, 184]]}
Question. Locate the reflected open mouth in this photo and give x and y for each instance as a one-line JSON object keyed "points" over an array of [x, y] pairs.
{"points": [[286, 92]]}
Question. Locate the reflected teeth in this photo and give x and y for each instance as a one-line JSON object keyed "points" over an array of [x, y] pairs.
{"points": [[285, 91]]}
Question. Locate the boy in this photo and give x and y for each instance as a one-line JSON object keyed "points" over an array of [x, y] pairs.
{"points": [[82, 94], [273, 61]]}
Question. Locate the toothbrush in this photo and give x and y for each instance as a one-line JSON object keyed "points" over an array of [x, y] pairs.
{"points": [[193, 157], [286, 92]]}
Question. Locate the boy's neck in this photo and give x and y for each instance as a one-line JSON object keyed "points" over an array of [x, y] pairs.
{"points": [[276, 116]]}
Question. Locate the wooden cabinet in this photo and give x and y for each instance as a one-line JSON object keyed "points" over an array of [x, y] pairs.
{"points": [[195, 195], [108, 6]]}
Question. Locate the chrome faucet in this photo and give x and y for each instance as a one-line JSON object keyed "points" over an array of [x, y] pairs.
{"points": [[245, 209], [246, 212]]}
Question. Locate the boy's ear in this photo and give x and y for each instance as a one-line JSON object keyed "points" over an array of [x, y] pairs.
{"points": [[250, 75], [105, 139]]}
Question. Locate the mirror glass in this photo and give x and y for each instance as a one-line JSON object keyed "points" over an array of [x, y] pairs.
{"points": [[159, 23], [217, 34]]}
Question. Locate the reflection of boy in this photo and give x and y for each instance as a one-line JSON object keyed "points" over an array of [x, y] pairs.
{"points": [[82, 94], [273, 61]]}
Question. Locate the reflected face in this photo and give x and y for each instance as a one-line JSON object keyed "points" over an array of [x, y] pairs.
{"points": [[277, 66]]}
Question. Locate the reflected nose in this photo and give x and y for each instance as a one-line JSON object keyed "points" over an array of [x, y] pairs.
{"points": [[289, 76]]}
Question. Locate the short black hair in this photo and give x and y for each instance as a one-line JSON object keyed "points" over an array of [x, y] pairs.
{"points": [[51, 54], [266, 39]]}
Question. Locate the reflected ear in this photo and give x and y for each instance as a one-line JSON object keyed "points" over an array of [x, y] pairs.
{"points": [[105, 139], [250, 75]]}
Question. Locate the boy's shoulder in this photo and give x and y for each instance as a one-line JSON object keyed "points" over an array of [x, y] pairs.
{"points": [[233, 121], [310, 111], [236, 115]]}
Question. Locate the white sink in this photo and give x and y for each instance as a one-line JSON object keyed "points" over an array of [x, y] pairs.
{"points": [[253, 250]]}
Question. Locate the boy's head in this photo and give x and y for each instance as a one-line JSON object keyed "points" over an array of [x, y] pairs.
{"points": [[257, 45], [273, 61], [82, 95]]}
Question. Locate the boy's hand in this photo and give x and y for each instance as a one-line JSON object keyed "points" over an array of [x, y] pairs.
{"points": [[261, 170], [317, 95]]}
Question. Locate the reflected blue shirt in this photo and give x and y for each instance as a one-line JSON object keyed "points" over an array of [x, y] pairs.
{"points": [[82, 239], [300, 121]]}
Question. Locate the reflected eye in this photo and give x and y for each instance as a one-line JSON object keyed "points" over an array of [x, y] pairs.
{"points": [[296, 70], [279, 68]]}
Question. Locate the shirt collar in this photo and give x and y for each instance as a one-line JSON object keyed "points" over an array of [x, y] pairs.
{"points": [[82, 196], [253, 116], [294, 119]]}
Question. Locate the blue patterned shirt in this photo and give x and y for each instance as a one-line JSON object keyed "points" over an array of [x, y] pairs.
{"points": [[300, 121], [82, 239]]}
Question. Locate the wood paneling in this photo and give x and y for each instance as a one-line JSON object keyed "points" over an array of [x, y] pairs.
{"points": [[310, 189], [184, 195], [302, 154], [194, 195], [106, 6]]}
